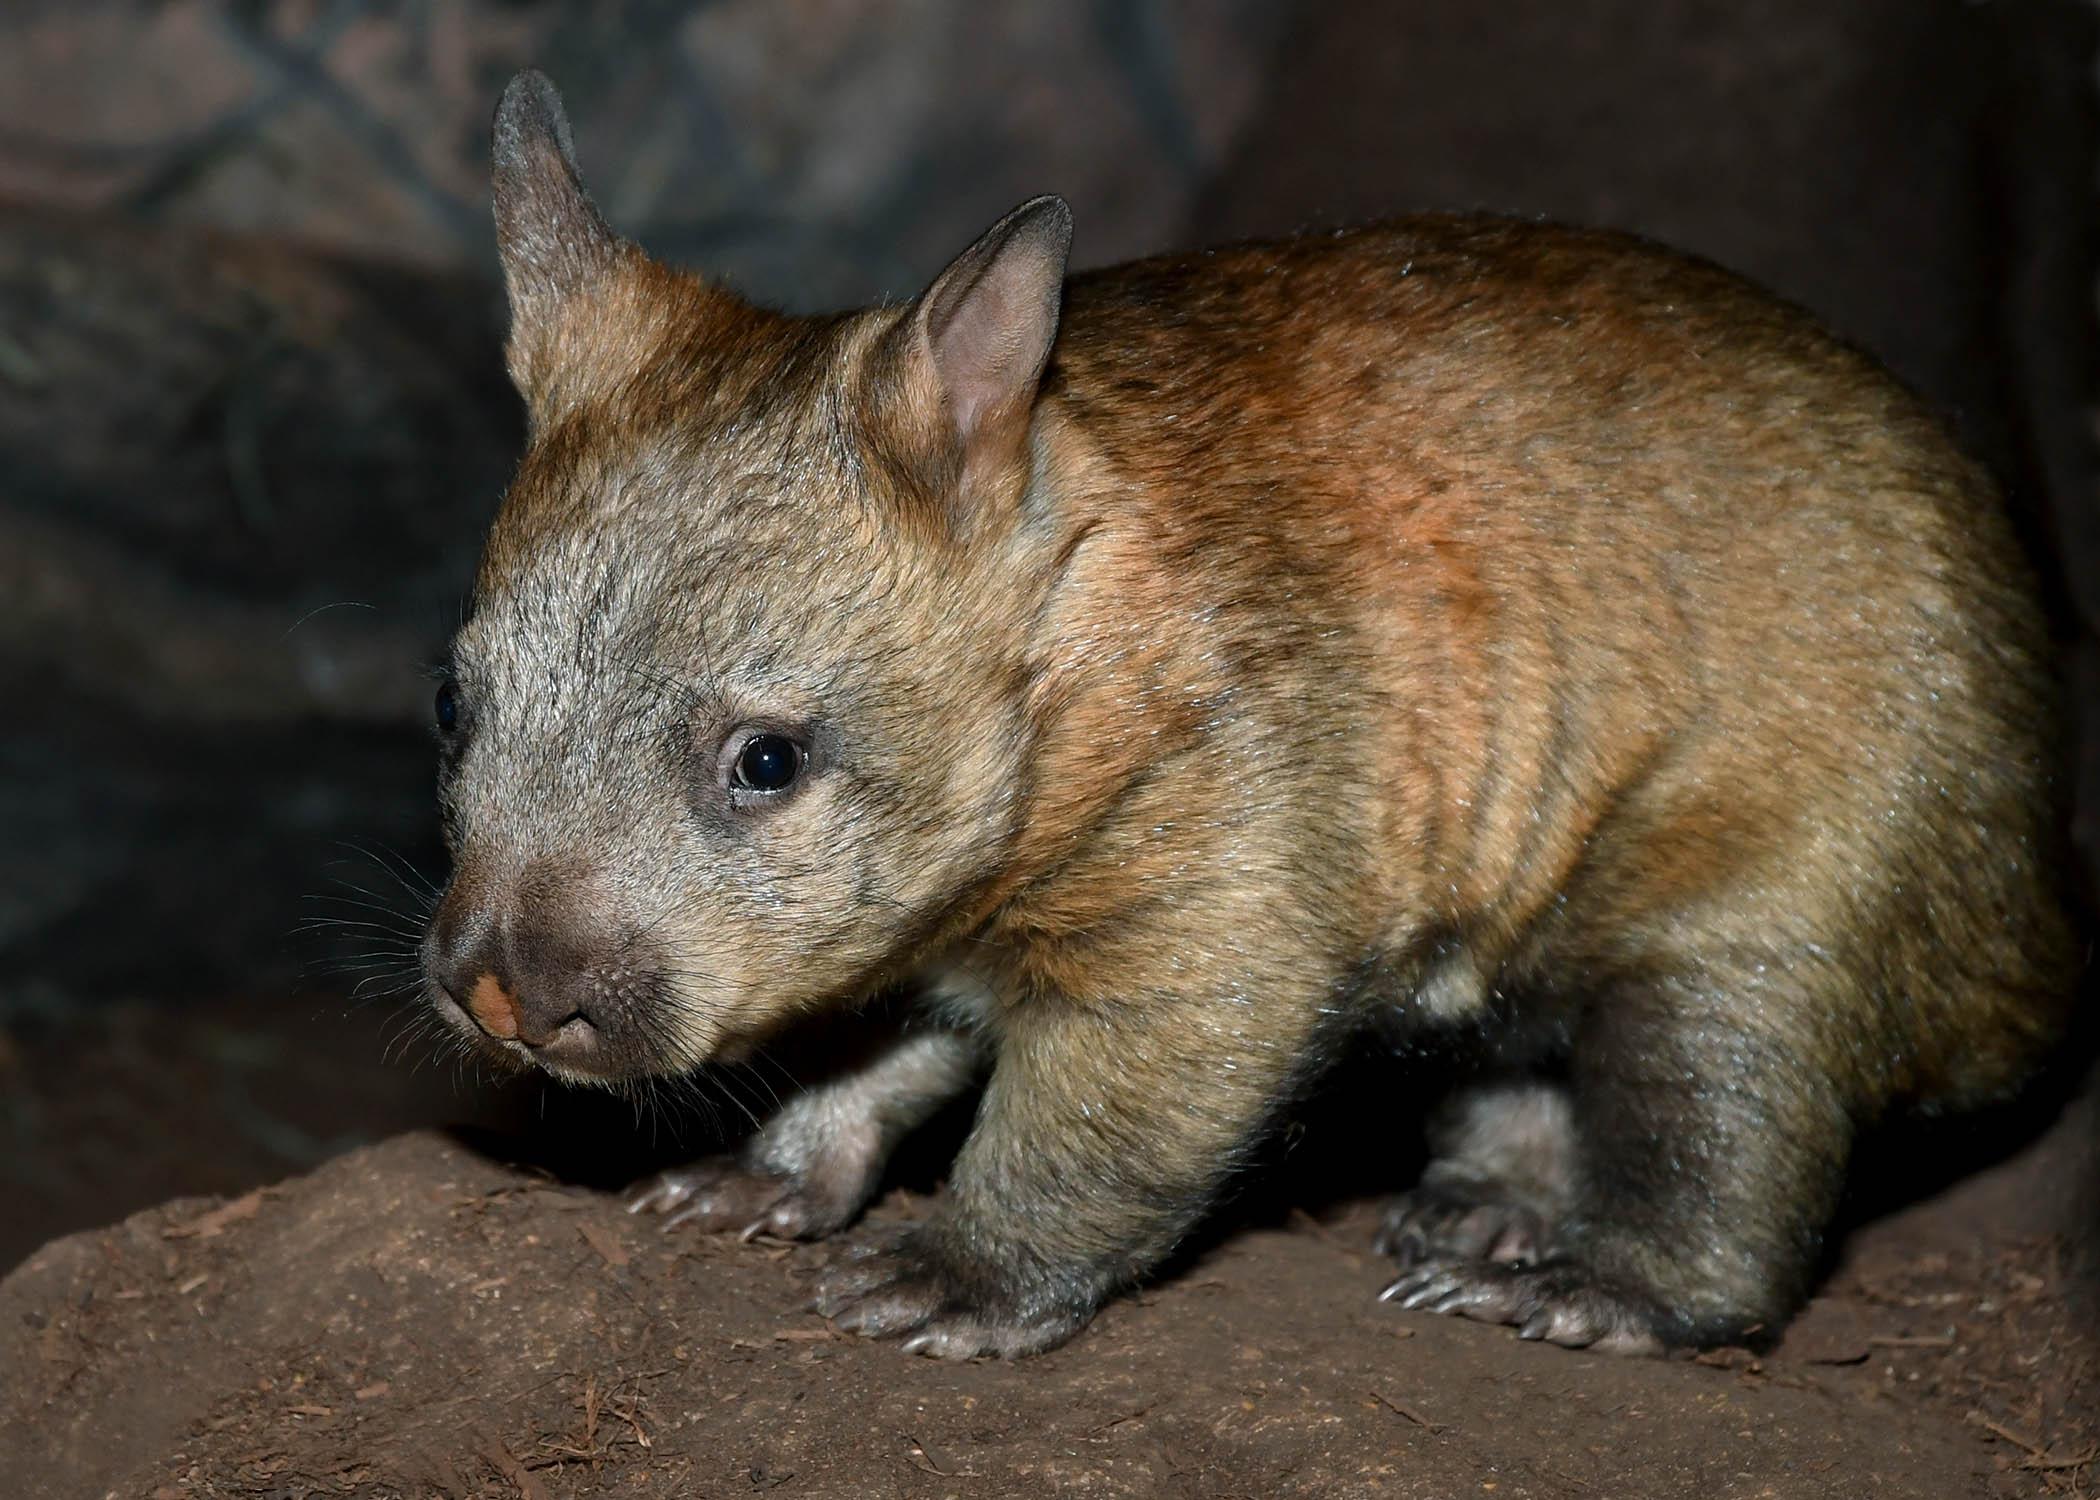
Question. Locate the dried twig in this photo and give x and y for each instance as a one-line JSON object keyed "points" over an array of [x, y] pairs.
{"points": [[1413, 1416]]}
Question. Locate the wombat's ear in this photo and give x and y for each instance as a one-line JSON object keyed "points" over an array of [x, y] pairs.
{"points": [[986, 325], [552, 240]]}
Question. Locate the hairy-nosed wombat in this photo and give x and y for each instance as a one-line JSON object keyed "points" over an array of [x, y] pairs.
{"points": [[1513, 635]]}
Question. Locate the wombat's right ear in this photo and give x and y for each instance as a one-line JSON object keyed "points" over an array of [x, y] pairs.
{"points": [[986, 325], [551, 237], [972, 350]]}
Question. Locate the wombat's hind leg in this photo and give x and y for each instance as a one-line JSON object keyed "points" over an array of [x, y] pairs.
{"points": [[1477, 1237], [811, 1168], [1498, 1183], [1708, 1141]]}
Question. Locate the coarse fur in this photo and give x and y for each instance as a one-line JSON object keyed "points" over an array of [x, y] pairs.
{"points": [[1464, 630]]}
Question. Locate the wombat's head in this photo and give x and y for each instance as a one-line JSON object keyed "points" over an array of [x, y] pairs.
{"points": [[740, 721]]}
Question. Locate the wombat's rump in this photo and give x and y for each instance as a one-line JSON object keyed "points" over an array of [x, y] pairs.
{"points": [[1516, 636]]}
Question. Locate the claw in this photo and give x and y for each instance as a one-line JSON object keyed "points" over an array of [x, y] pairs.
{"points": [[1461, 1220], [1561, 1302], [1420, 1296], [692, 1213], [725, 1194], [655, 1196], [900, 1286]]}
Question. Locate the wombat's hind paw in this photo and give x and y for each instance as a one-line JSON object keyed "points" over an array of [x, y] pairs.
{"points": [[894, 1286], [1559, 1301], [720, 1192], [1444, 1220]]}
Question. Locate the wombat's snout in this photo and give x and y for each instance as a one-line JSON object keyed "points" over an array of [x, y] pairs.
{"points": [[537, 1020], [534, 976]]}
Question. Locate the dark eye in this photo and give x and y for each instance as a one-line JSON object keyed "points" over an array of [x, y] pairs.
{"points": [[446, 708], [767, 763]]}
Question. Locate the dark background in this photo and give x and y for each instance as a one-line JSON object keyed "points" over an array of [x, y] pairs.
{"points": [[252, 417]]}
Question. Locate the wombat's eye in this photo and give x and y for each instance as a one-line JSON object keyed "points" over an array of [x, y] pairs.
{"points": [[767, 763], [446, 709]]}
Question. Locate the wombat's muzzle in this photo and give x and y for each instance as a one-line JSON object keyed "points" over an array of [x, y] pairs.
{"points": [[534, 978]]}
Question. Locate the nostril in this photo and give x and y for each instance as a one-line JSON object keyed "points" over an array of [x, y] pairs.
{"points": [[574, 1029], [574, 1024], [572, 1039]]}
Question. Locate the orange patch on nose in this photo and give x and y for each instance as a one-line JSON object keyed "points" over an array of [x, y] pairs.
{"points": [[494, 1007]]}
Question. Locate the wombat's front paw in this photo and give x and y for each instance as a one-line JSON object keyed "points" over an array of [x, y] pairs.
{"points": [[898, 1285], [721, 1192], [1445, 1220], [1560, 1301]]}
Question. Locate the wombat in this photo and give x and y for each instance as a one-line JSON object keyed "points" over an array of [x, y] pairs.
{"points": [[1513, 640]]}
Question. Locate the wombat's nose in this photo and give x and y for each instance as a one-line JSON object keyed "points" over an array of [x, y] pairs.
{"points": [[503, 1010], [538, 1012], [519, 958]]}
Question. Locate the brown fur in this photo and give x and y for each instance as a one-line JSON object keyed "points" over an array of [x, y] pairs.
{"points": [[1464, 628]]}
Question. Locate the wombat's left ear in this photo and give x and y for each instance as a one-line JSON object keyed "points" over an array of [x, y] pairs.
{"points": [[551, 237], [986, 325]]}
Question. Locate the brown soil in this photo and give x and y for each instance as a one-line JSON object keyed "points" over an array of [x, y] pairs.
{"points": [[419, 1318]]}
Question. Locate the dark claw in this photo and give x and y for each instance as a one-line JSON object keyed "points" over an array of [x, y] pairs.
{"points": [[721, 1193], [1463, 1220], [897, 1287], [1558, 1301]]}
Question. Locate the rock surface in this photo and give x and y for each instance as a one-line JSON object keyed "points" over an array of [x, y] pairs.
{"points": [[418, 1318]]}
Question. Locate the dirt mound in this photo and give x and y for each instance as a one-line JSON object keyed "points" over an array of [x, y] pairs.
{"points": [[421, 1319]]}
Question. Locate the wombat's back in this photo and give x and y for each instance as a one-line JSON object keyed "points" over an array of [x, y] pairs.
{"points": [[1665, 619]]}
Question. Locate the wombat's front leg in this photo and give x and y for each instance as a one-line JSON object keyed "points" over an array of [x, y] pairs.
{"points": [[1103, 1134], [815, 1164]]}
